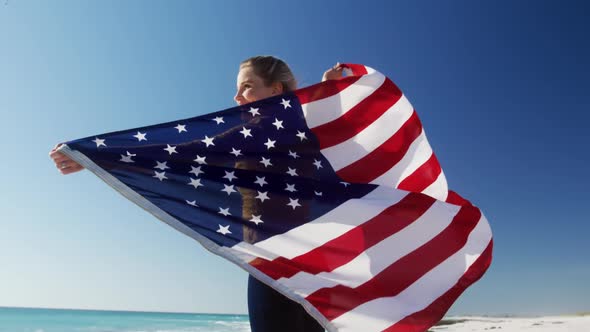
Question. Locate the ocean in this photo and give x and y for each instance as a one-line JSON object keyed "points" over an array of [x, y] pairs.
{"points": [[67, 320]]}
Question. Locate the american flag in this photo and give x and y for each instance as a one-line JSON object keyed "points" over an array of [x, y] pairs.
{"points": [[330, 194]]}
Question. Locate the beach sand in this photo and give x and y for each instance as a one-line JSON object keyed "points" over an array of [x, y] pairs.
{"points": [[512, 324]]}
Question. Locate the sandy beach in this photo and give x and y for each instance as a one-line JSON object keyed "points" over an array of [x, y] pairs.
{"points": [[512, 324]]}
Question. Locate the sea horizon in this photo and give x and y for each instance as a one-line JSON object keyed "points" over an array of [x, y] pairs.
{"points": [[127, 310], [498, 315]]}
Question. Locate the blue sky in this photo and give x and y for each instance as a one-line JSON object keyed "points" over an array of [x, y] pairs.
{"points": [[501, 88]]}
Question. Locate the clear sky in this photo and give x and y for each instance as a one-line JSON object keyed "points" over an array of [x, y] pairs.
{"points": [[501, 87]]}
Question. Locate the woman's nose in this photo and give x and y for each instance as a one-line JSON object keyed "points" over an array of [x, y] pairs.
{"points": [[239, 98]]}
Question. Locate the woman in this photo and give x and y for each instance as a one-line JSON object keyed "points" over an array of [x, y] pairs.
{"points": [[259, 77]]}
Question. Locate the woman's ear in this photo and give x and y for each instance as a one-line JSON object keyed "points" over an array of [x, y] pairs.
{"points": [[277, 88]]}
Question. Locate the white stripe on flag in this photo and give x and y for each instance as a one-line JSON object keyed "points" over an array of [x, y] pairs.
{"points": [[375, 259], [248, 252], [381, 313], [329, 109], [418, 153], [358, 146], [439, 188]]}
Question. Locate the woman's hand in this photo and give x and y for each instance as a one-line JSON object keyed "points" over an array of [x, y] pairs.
{"points": [[63, 163], [334, 73]]}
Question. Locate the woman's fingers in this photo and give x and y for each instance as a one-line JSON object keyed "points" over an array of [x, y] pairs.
{"points": [[55, 148], [57, 155], [71, 169], [334, 73], [64, 163], [60, 157]]}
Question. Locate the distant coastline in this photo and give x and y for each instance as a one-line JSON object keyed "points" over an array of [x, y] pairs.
{"points": [[448, 319], [451, 319], [127, 311]]}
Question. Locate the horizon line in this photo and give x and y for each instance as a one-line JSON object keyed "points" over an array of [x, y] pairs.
{"points": [[504, 315], [126, 310]]}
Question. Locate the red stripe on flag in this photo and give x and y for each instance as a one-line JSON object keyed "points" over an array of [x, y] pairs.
{"points": [[454, 198], [276, 268], [422, 320], [356, 69], [385, 156], [423, 176], [324, 89], [359, 117], [335, 301], [346, 247]]}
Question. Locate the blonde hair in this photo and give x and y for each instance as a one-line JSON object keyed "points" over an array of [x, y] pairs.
{"points": [[271, 70]]}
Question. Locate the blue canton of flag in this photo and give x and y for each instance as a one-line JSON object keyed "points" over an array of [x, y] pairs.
{"points": [[243, 174]]}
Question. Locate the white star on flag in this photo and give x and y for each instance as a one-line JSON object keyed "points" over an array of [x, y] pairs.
{"points": [[228, 189], [200, 160], [318, 193], [286, 103], [225, 212], [256, 219], [180, 128], [294, 203], [161, 166], [195, 183], [266, 162], [219, 120], [208, 141], [290, 188], [99, 142], [246, 132], [317, 163], [254, 111], [278, 124], [262, 196], [293, 154], [160, 175], [224, 230], [127, 158], [192, 203], [292, 171], [270, 144], [140, 136], [196, 170], [235, 152], [260, 181], [170, 149], [301, 135], [230, 175]]}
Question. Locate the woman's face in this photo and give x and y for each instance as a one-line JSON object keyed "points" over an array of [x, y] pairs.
{"points": [[251, 87]]}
